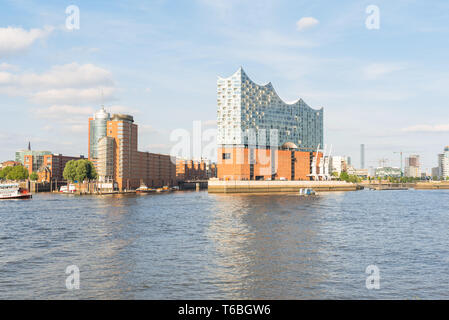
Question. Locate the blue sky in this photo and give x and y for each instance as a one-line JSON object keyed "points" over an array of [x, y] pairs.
{"points": [[159, 60]]}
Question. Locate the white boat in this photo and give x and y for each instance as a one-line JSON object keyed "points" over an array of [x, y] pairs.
{"points": [[144, 189], [68, 189], [307, 192], [13, 191]]}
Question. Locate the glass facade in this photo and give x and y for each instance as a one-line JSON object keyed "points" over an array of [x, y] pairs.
{"points": [[98, 130], [245, 107], [38, 157]]}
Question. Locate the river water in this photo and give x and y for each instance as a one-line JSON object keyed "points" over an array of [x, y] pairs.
{"points": [[195, 245]]}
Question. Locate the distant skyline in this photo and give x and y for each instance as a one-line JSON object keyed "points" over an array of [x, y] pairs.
{"points": [[159, 61]]}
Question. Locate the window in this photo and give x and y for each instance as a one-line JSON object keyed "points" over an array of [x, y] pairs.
{"points": [[226, 156]]}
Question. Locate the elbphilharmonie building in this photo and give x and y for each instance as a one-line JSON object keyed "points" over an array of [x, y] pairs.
{"points": [[244, 106], [261, 137]]}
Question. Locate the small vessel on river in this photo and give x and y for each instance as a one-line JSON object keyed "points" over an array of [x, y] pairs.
{"points": [[307, 192], [13, 191], [144, 189]]}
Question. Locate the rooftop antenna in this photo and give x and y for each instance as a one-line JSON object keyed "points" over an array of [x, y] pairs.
{"points": [[29, 146], [102, 99]]}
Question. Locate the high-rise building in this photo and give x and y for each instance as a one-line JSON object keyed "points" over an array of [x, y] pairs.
{"points": [[362, 156], [244, 105], [435, 172], [262, 137], [338, 164], [412, 166], [443, 163], [97, 130], [105, 161], [113, 148]]}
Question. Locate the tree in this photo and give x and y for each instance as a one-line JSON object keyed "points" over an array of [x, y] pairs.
{"points": [[34, 176], [344, 176], [79, 170], [4, 172], [17, 173], [69, 172]]}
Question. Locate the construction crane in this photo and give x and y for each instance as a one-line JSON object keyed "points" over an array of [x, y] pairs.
{"points": [[401, 153], [382, 162]]}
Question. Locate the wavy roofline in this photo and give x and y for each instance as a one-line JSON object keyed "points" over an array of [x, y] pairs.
{"points": [[270, 86]]}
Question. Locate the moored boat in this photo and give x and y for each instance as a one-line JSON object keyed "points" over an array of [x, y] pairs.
{"points": [[144, 189], [307, 192], [71, 188], [13, 191]]}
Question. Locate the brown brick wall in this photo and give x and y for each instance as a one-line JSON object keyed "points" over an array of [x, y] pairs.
{"points": [[238, 166]]}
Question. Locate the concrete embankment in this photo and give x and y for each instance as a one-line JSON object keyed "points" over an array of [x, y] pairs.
{"points": [[216, 186], [431, 185]]}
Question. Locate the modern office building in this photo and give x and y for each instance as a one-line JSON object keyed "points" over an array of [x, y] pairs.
{"points": [[37, 158], [113, 148], [362, 156], [412, 166], [97, 130], [105, 160], [262, 137], [435, 172], [443, 164]]}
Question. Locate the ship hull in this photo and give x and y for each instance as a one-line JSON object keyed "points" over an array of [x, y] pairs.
{"points": [[20, 196]]}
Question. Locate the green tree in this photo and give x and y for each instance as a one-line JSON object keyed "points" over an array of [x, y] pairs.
{"points": [[17, 173], [91, 172], [34, 176], [69, 172], [79, 170], [4, 172], [344, 176]]}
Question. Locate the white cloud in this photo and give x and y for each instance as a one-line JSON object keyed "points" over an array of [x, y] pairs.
{"points": [[14, 40], [73, 96], [306, 23], [58, 111], [7, 66], [376, 70], [146, 128], [79, 128], [69, 84], [69, 75], [427, 128], [121, 109]]}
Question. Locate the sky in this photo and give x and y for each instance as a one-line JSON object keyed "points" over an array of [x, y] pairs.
{"points": [[385, 87]]}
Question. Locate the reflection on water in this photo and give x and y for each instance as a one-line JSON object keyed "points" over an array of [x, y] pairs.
{"points": [[195, 245]]}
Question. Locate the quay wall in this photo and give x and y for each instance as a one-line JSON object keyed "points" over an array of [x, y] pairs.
{"points": [[240, 186], [432, 185]]}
